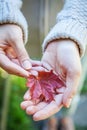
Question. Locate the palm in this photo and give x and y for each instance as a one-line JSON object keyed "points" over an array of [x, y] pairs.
{"points": [[64, 59]]}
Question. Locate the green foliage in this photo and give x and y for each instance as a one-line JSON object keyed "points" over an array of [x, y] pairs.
{"points": [[81, 128], [84, 88], [17, 119]]}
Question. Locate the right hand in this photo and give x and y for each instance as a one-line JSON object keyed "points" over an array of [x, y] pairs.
{"points": [[13, 56], [63, 57]]}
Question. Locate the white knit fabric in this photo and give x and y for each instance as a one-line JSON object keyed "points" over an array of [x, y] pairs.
{"points": [[10, 13], [71, 23]]}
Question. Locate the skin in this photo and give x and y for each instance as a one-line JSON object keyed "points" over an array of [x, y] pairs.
{"points": [[13, 56], [63, 57]]}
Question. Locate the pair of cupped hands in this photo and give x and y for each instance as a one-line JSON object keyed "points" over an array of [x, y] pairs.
{"points": [[61, 56]]}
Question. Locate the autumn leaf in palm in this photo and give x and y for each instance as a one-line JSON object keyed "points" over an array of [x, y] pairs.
{"points": [[44, 86]]}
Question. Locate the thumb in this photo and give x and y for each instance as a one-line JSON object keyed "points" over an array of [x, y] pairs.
{"points": [[72, 82], [22, 55]]}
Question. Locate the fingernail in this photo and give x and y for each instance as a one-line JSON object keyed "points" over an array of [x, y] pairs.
{"points": [[27, 64], [68, 102]]}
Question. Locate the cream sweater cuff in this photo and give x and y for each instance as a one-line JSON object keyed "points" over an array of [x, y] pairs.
{"points": [[10, 14], [68, 29]]}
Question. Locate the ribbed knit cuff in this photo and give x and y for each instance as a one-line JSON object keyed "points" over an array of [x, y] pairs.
{"points": [[17, 3], [10, 14], [68, 29]]}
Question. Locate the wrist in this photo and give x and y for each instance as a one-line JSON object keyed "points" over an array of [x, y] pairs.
{"points": [[67, 44]]}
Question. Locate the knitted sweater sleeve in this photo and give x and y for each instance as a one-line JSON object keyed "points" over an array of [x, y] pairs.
{"points": [[10, 13], [71, 23]]}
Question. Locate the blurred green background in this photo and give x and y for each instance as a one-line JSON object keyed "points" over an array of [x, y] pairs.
{"points": [[41, 16]]}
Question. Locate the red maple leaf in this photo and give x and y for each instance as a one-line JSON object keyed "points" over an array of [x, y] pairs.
{"points": [[44, 86]]}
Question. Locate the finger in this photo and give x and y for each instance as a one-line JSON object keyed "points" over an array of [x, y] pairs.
{"points": [[35, 63], [27, 95], [16, 61], [60, 90], [72, 82], [50, 109], [48, 59], [26, 104], [47, 66], [39, 68], [35, 108], [33, 72], [11, 67], [22, 54], [36, 69]]}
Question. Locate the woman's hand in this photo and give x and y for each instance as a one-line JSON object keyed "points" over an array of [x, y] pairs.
{"points": [[63, 57], [13, 56]]}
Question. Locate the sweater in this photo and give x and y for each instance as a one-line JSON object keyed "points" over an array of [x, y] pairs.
{"points": [[10, 13], [71, 24], [71, 21]]}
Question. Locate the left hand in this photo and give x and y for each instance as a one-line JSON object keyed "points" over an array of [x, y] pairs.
{"points": [[63, 57], [14, 58]]}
